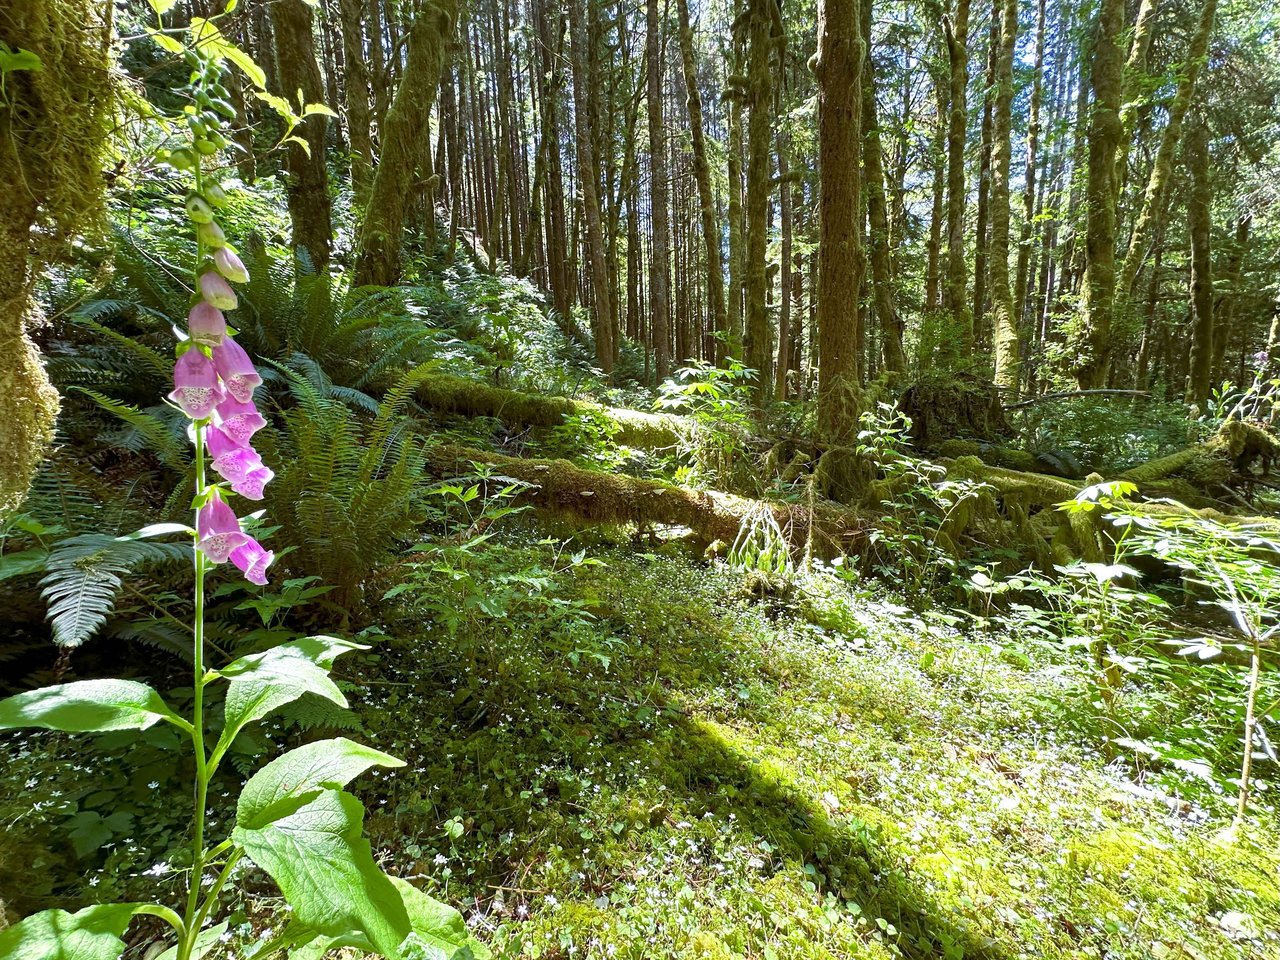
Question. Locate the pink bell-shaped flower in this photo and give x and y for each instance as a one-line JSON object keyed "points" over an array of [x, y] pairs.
{"points": [[251, 486], [217, 291], [232, 460], [230, 265], [206, 325], [195, 384], [253, 560], [236, 369], [238, 420], [218, 530]]}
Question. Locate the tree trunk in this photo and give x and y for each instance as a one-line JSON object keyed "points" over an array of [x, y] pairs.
{"points": [[982, 227], [702, 174], [1199, 213], [589, 186], [958, 343], [838, 68], [660, 262], [54, 124], [310, 207], [1008, 364], [756, 345], [1224, 312], [891, 325], [1027, 239], [1099, 294], [404, 147], [1153, 199]]}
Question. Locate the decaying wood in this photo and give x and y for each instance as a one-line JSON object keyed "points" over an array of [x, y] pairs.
{"points": [[559, 486]]}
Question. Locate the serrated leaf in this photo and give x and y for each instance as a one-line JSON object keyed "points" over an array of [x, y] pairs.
{"points": [[161, 7], [263, 682], [312, 109], [90, 934], [206, 35], [286, 782], [325, 869], [87, 706]]}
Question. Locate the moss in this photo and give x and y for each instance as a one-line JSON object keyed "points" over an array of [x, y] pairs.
{"points": [[945, 407]]}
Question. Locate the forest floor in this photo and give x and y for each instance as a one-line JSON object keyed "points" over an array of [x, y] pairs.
{"points": [[825, 775], [639, 758]]}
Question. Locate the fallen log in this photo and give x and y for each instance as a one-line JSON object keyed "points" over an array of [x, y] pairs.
{"points": [[450, 394], [560, 487]]}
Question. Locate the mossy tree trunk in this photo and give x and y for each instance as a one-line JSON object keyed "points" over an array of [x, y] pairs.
{"points": [[1224, 312], [1026, 240], [1199, 223], [356, 86], [731, 347], [660, 229], [405, 145], [589, 184], [838, 68], [757, 348], [702, 175], [1099, 290], [1008, 365], [1154, 197], [53, 127], [957, 347], [307, 186], [891, 324]]}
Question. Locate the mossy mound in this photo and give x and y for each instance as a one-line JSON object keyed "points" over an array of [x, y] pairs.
{"points": [[961, 405]]}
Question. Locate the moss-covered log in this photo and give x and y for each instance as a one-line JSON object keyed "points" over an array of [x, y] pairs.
{"points": [[560, 487], [458, 395]]}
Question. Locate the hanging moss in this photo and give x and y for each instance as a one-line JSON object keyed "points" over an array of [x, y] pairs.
{"points": [[54, 124]]}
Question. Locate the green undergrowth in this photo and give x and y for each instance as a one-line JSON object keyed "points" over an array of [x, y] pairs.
{"points": [[735, 777], [642, 758]]}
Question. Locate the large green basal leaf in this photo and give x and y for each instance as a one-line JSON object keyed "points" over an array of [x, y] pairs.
{"points": [[325, 869], [91, 934], [439, 932], [287, 782], [87, 706], [263, 682]]}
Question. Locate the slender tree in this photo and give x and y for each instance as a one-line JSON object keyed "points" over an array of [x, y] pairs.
{"points": [[660, 262], [1008, 364]]}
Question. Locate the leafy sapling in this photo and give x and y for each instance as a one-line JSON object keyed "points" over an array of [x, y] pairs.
{"points": [[293, 818]]}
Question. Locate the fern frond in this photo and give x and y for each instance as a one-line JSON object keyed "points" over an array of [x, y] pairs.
{"points": [[84, 576], [155, 432]]}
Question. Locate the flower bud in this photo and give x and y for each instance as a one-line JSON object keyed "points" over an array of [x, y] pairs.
{"points": [[217, 291], [211, 235], [199, 210], [206, 325], [230, 265], [215, 195]]}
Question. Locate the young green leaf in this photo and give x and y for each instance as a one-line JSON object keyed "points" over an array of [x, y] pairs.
{"points": [[280, 787], [324, 866], [88, 706], [91, 934]]}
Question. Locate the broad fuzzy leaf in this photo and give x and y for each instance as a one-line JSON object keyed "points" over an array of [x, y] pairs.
{"points": [[87, 706], [262, 682], [91, 934], [324, 866], [287, 782]]}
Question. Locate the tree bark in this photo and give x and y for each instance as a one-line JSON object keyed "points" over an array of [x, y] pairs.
{"points": [[1199, 213], [589, 186], [660, 257], [891, 325], [1099, 294], [702, 174], [356, 86], [1153, 199], [838, 68], [404, 148], [958, 343], [1008, 364], [310, 206], [760, 43]]}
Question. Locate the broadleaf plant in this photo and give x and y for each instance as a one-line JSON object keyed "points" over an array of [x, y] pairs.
{"points": [[293, 819]]}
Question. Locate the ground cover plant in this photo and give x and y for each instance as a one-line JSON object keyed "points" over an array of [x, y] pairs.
{"points": [[727, 480]]}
